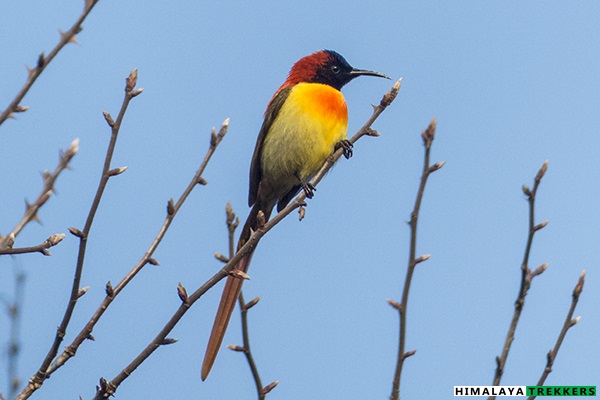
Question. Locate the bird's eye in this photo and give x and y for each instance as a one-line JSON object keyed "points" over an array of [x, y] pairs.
{"points": [[335, 69]]}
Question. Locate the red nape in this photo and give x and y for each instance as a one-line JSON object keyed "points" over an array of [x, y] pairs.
{"points": [[305, 69]]}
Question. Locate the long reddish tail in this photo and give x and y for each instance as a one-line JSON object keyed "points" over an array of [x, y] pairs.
{"points": [[231, 292]]}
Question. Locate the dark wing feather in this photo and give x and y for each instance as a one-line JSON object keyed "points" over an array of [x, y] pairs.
{"points": [[255, 167]]}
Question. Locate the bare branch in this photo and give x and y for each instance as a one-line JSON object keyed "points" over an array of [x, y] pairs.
{"points": [[43, 61], [37, 380], [526, 274], [13, 308], [40, 248], [31, 210], [232, 224], [427, 135], [110, 388], [569, 322]]}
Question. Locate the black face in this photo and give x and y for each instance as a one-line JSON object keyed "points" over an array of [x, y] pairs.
{"points": [[337, 72]]}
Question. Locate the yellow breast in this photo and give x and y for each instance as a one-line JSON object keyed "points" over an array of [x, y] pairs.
{"points": [[312, 120]]}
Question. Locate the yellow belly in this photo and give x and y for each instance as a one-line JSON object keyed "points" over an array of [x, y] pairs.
{"points": [[312, 120]]}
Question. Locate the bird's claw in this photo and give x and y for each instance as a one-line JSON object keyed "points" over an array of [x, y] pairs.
{"points": [[309, 190], [346, 146]]}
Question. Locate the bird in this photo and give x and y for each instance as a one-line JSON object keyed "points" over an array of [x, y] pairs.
{"points": [[306, 120]]}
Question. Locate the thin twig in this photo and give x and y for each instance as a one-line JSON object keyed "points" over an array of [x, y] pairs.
{"points": [[569, 322], [172, 209], [428, 135], [43, 247], [14, 347], [31, 210], [108, 388], [526, 274], [232, 224], [43, 61], [37, 380]]}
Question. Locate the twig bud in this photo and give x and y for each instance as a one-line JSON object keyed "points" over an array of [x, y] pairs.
{"points": [[424, 257], [539, 226], [153, 261], [394, 304], [41, 61], [574, 321], [221, 257], [436, 166], [428, 134], [82, 291], [76, 232], [45, 252], [109, 289], [579, 287], [170, 207], [168, 341], [301, 213], [236, 348], [20, 109], [550, 357], [269, 387], [202, 181], [539, 270], [55, 238], [224, 128], [103, 384], [90, 337], [131, 80], [108, 118], [11, 240], [260, 219], [372, 132], [409, 354], [542, 171], [73, 148], [117, 171], [182, 292], [213, 137], [136, 92], [389, 97], [252, 303], [526, 190], [229, 214], [236, 273]]}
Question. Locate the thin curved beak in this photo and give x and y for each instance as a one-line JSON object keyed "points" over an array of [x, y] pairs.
{"points": [[357, 72]]}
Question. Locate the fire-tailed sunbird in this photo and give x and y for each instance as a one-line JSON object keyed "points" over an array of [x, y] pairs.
{"points": [[305, 121]]}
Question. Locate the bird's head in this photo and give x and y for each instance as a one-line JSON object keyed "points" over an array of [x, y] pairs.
{"points": [[326, 67]]}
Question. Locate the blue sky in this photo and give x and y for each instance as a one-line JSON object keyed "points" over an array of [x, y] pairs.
{"points": [[511, 85]]}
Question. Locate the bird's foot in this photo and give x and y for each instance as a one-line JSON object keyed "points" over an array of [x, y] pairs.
{"points": [[309, 190], [346, 145]]}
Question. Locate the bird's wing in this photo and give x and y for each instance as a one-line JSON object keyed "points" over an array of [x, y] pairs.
{"points": [[270, 115]]}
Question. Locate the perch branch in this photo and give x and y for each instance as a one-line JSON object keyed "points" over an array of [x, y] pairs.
{"points": [[108, 388]]}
